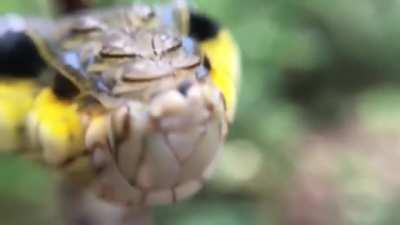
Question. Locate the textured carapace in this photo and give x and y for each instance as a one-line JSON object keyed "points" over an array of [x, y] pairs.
{"points": [[158, 121], [143, 93]]}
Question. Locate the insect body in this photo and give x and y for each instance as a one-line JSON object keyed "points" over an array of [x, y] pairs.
{"points": [[133, 103]]}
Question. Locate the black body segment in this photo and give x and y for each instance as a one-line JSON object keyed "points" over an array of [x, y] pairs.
{"points": [[18, 56], [202, 27]]}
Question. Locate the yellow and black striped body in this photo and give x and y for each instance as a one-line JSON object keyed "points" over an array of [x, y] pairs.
{"points": [[45, 111]]}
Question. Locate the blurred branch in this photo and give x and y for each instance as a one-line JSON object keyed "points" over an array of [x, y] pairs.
{"points": [[70, 6], [82, 207]]}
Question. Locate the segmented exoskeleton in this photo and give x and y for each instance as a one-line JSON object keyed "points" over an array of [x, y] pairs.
{"points": [[132, 103]]}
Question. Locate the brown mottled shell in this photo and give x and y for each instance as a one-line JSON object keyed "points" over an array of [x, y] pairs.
{"points": [[136, 52], [165, 120]]}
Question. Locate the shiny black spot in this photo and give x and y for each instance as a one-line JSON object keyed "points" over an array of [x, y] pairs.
{"points": [[202, 28], [64, 88]]}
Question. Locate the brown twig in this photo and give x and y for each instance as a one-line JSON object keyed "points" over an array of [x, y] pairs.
{"points": [[78, 206], [70, 6]]}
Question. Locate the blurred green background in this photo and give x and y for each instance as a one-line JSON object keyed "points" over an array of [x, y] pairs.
{"points": [[317, 135]]}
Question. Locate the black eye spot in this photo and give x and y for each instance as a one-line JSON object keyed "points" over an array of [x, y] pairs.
{"points": [[64, 88], [202, 28], [184, 87]]}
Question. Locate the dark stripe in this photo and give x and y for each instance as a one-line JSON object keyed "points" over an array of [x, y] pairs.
{"points": [[202, 28], [207, 63]]}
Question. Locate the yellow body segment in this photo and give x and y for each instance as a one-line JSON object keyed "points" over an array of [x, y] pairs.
{"points": [[16, 99], [55, 127], [225, 67]]}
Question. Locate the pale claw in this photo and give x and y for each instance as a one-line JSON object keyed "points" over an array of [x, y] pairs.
{"points": [[164, 150]]}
